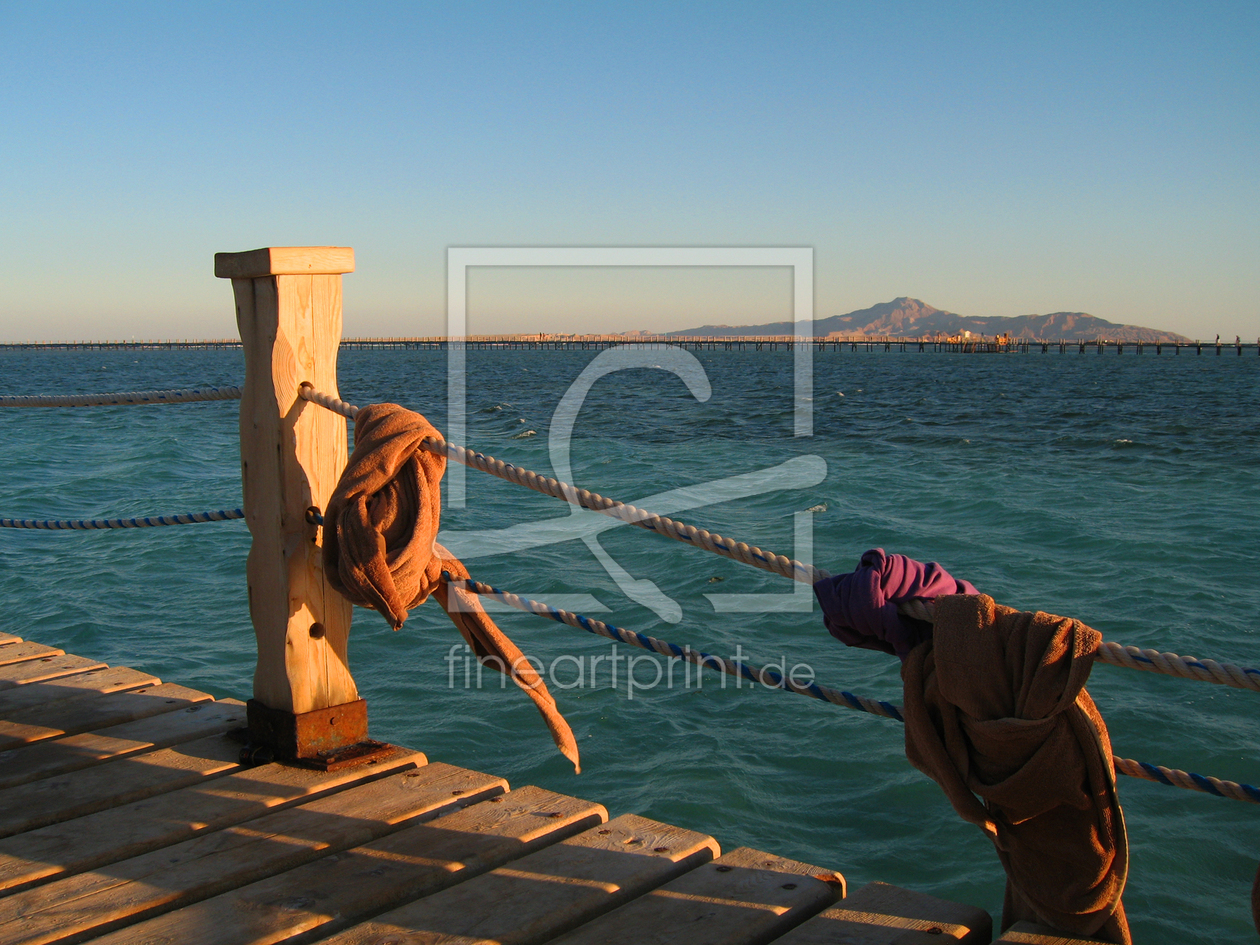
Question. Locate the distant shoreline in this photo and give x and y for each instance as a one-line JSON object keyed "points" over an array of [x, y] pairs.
{"points": [[543, 341]]}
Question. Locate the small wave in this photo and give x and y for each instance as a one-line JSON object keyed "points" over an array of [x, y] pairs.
{"points": [[839, 393], [817, 508], [521, 436]]}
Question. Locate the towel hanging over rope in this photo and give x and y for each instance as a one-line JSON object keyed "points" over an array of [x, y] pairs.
{"points": [[998, 715], [381, 549]]}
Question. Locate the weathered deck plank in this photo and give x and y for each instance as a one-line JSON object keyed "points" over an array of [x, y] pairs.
{"points": [[880, 914], [80, 685], [37, 724], [123, 832], [75, 752], [338, 890], [9, 638], [544, 894], [67, 796], [206, 866], [21, 652], [742, 898], [46, 667], [1030, 933]]}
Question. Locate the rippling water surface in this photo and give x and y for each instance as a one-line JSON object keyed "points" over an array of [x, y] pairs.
{"points": [[1124, 491]]}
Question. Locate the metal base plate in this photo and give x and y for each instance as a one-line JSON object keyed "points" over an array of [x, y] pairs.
{"points": [[300, 736]]}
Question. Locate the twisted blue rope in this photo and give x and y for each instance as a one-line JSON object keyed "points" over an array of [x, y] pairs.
{"points": [[124, 398], [765, 676], [836, 697], [633, 637], [148, 521], [131, 398]]}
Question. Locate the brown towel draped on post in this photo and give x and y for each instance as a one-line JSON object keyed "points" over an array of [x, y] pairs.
{"points": [[380, 547], [996, 707]]}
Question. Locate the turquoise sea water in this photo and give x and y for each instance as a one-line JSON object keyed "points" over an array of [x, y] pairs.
{"points": [[1122, 490]]}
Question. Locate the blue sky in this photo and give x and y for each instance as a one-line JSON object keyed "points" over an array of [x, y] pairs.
{"points": [[990, 159]]}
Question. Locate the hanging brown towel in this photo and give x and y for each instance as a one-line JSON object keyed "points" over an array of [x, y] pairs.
{"points": [[380, 547], [997, 714]]}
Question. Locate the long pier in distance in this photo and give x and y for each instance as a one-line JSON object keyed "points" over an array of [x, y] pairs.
{"points": [[576, 342]]}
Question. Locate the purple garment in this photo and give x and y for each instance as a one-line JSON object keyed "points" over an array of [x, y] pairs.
{"points": [[860, 609]]}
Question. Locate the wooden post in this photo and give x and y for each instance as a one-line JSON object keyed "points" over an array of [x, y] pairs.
{"points": [[288, 309]]}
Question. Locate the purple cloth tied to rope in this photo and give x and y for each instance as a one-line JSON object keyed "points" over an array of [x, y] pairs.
{"points": [[860, 609]]}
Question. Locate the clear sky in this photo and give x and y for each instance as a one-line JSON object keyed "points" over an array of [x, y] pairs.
{"points": [[987, 158]]}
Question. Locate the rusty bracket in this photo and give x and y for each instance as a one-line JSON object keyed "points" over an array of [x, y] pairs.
{"points": [[367, 751], [327, 739]]}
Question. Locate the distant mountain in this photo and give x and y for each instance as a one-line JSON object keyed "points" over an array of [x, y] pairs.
{"points": [[911, 318]]}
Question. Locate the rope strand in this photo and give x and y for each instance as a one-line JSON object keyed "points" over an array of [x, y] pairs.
{"points": [[327, 401], [133, 398], [593, 501], [148, 521], [1174, 777], [1185, 667], [765, 675], [631, 515]]}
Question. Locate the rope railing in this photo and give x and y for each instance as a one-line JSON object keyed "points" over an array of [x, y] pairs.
{"points": [[133, 398], [1173, 777], [1131, 657], [1116, 654], [185, 395], [1185, 667], [147, 521], [632, 515], [765, 675], [328, 401], [593, 501]]}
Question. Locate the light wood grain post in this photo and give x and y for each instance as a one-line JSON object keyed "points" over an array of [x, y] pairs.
{"points": [[288, 308]]}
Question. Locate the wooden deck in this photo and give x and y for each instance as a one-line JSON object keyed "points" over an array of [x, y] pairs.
{"points": [[126, 816]]}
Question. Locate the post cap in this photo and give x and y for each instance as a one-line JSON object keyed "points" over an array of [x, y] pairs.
{"points": [[284, 261]]}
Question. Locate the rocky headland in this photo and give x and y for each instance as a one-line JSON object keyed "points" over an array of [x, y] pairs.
{"points": [[911, 318]]}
